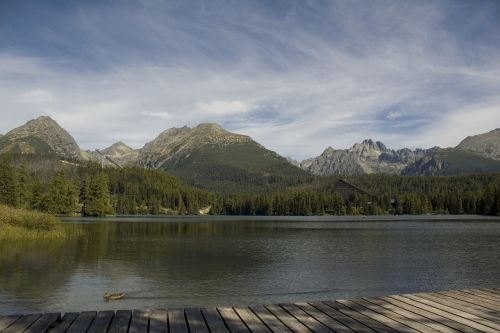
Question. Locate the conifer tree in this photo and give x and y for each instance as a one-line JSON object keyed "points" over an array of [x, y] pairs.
{"points": [[23, 192], [8, 184], [97, 201]]}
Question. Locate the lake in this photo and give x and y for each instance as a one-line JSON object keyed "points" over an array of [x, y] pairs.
{"points": [[198, 262]]}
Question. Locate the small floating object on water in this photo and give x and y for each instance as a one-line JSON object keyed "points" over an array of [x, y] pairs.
{"points": [[113, 296]]}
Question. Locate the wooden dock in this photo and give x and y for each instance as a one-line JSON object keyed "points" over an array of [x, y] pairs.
{"points": [[472, 310]]}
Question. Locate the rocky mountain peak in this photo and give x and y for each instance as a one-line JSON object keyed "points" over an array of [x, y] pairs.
{"points": [[368, 149], [328, 152], [41, 135], [486, 145], [366, 157], [178, 142], [118, 148], [120, 153], [210, 127]]}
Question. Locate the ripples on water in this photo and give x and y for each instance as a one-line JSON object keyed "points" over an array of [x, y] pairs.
{"points": [[162, 264]]}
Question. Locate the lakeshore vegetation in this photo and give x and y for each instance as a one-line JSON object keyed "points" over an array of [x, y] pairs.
{"points": [[21, 223], [73, 189]]}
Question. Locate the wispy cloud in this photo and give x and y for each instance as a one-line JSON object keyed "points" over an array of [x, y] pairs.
{"points": [[162, 115], [296, 76], [223, 108]]}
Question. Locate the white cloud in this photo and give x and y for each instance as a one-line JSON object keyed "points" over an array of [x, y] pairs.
{"points": [[223, 108], [318, 76], [162, 115], [36, 96]]}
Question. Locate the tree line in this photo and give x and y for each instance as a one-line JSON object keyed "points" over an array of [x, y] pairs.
{"points": [[94, 191]]}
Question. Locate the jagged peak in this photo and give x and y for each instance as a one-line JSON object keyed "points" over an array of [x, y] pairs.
{"points": [[212, 126], [328, 150], [42, 123], [367, 142], [47, 130], [120, 144], [43, 120]]}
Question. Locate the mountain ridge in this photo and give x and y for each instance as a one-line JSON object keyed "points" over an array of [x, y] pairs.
{"points": [[366, 157], [209, 156], [486, 144]]}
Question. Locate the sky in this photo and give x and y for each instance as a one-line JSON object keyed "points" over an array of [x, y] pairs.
{"points": [[296, 75]]}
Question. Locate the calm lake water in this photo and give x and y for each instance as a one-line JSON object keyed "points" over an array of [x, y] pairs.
{"points": [[197, 262]]}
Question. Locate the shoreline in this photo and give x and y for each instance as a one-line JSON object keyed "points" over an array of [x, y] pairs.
{"points": [[243, 218]]}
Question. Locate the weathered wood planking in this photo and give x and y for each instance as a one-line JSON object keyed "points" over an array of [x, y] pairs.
{"points": [[22, 324], [101, 322], [63, 326], [195, 320], [269, 319], [465, 311], [44, 323], [158, 321]]}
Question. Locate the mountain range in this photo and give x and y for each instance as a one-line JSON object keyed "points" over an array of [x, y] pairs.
{"points": [[208, 156]]}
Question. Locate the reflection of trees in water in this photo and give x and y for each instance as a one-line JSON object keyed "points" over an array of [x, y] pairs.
{"points": [[37, 267], [186, 255]]}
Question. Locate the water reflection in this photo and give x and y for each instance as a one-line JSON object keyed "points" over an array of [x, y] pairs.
{"points": [[178, 264]]}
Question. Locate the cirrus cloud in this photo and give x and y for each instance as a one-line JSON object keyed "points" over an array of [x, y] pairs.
{"points": [[296, 76]]}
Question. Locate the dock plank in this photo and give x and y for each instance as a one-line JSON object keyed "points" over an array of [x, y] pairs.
{"points": [[269, 319], [290, 321], [353, 304], [158, 321], [101, 322], [477, 301], [139, 322], [6, 321], [251, 320], [306, 319], [22, 324], [214, 321], [232, 320], [177, 321], [367, 321], [484, 297], [487, 293], [65, 323], [195, 320], [396, 317], [457, 318], [491, 291], [413, 315], [452, 308], [82, 322], [43, 323], [324, 318], [471, 308], [341, 318], [439, 316], [120, 322]]}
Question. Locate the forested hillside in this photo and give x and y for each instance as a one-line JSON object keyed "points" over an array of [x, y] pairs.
{"points": [[53, 186], [70, 188], [472, 194]]}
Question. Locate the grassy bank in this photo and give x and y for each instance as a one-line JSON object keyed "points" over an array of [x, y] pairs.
{"points": [[25, 224]]}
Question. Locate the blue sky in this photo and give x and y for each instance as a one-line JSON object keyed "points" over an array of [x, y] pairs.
{"points": [[297, 76]]}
